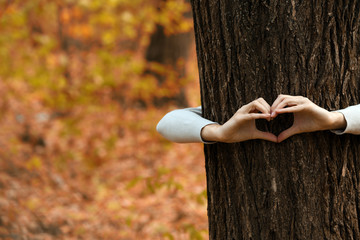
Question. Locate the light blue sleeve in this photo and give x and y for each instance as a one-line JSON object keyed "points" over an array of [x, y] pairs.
{"points": [[183, 125], [352, 117]]}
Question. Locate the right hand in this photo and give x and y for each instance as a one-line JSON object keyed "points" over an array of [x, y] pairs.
{"points": [[241, 126], [308, 117]]}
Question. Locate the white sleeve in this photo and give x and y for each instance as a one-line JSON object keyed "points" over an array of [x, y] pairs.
{"points": [[352, 117], [183, 125]]}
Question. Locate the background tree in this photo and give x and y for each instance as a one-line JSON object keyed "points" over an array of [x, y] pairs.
{"points": [[308, 186], [171, 50]]}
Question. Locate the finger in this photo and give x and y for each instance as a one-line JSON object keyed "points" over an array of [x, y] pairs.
{"points": [[265, 136], [287, 133], [254, 107], [279, 99], [264, 103], [285, 103], [289, 110], [275, 105], [275, 112], [253, 116], [257, 107]]}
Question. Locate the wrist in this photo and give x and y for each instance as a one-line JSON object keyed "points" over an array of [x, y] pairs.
{"points": [[211, 133], [337, 121]]}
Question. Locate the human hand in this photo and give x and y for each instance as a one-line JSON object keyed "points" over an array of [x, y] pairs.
{"points": [[241, 126], [308, 117]]}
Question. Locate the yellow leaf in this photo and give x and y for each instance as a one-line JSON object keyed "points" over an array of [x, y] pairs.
{"points": [[34, 163], [32, 203]]}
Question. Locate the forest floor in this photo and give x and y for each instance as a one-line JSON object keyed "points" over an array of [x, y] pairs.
{"points": [[110, 177]]}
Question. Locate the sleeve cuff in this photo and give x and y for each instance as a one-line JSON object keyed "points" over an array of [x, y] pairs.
{"points": [[352, 117], [201, 123]]}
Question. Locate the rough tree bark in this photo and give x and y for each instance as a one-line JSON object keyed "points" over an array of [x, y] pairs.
{"points": [[308, 186]]}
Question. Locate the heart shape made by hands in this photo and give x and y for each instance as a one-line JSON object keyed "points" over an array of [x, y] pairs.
{"points": [[276, 125]]}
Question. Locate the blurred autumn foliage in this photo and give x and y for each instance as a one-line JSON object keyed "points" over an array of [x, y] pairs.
{"points": [[80, 98]]}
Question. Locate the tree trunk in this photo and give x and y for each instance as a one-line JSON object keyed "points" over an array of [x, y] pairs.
{"points": [[308, 186]]}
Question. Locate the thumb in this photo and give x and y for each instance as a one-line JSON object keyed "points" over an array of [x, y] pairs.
{"points": [[287, 133], [265, 136]]}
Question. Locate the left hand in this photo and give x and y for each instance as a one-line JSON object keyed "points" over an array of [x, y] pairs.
{"points": [[308, 117], [241, 126]]}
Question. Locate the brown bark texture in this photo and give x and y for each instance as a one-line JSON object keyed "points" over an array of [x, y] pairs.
{"points": [[308, 186]]}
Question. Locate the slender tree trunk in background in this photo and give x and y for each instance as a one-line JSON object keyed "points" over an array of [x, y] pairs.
{"points": [[168, 50], [308, 186]]}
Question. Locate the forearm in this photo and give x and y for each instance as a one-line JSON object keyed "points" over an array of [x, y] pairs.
{"points": [[210, 133], [337, 121]]}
